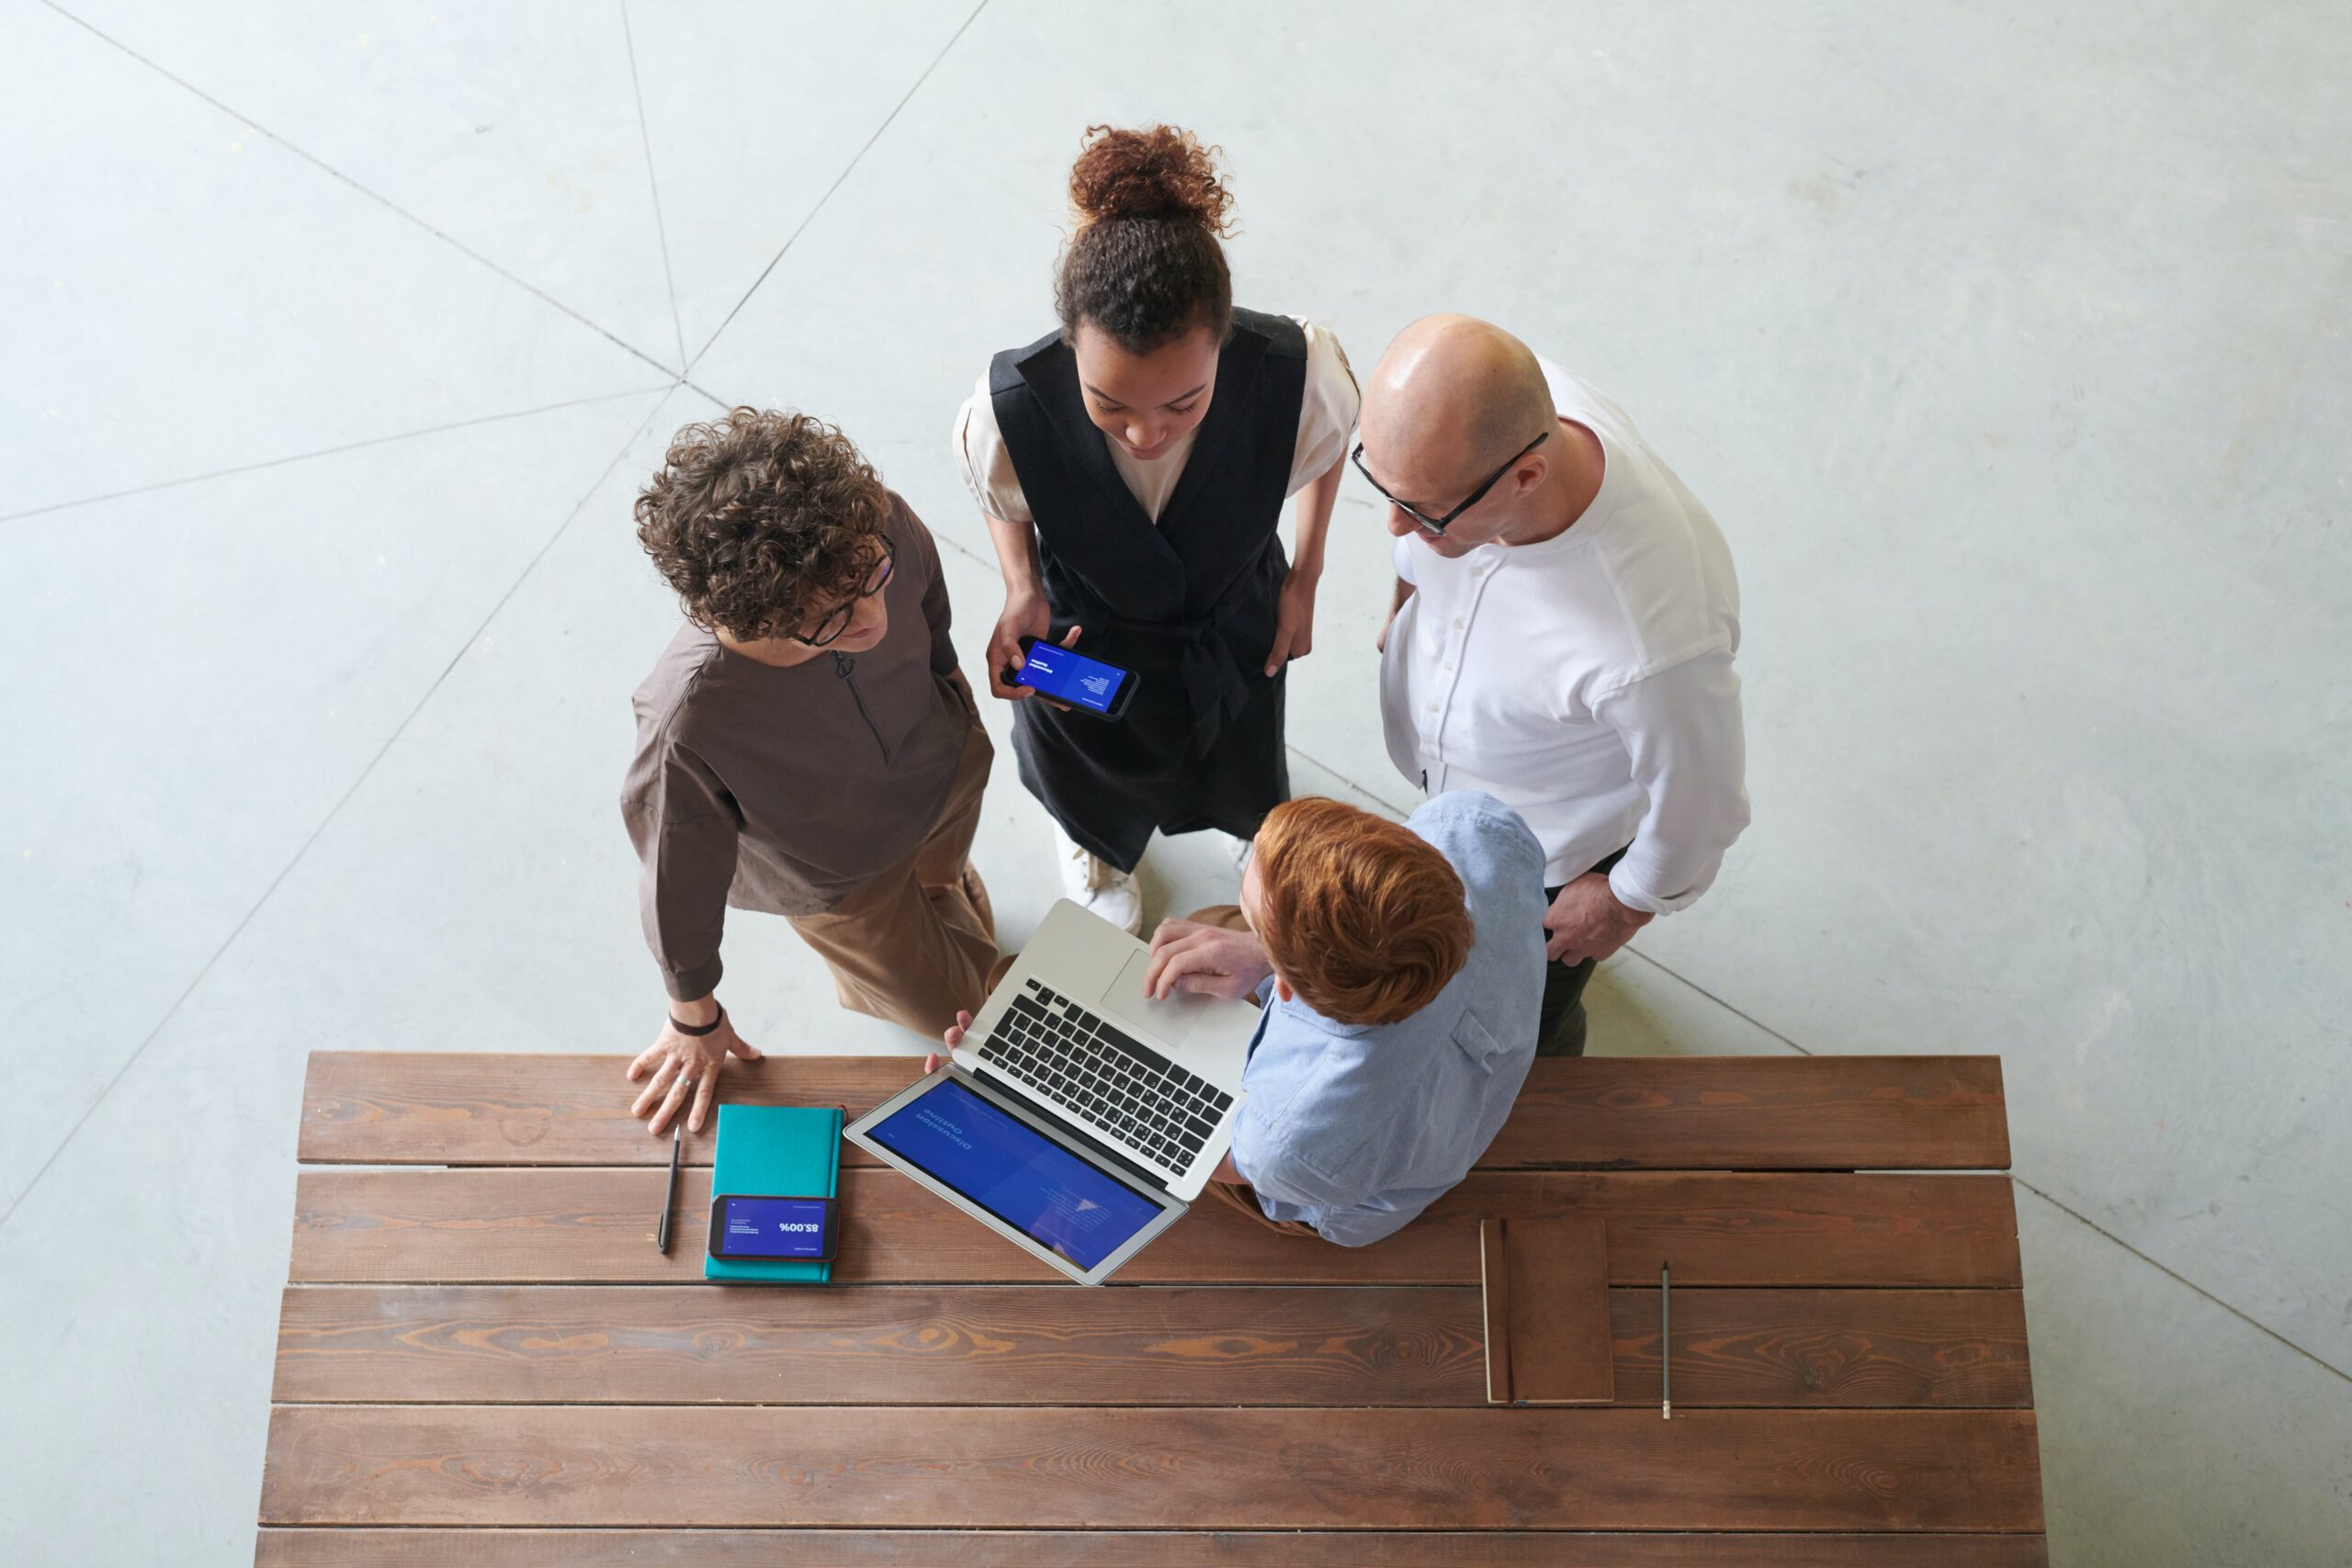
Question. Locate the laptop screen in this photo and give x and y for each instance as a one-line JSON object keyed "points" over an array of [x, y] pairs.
{"points": [[1000, 1163]]}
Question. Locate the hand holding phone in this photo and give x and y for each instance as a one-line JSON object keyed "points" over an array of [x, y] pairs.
{"points": [[1027, 614], [1004, 679], [1073, 680]]}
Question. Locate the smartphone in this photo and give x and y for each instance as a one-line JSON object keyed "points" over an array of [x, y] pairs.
{"points": [[744, 1226], [1066, 675]]}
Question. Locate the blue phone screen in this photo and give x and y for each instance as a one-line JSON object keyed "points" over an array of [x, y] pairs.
{"points": [[775, 1227], [1071, 676]]}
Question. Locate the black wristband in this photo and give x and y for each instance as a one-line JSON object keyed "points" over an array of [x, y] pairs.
{"points": [[698, 1030]]}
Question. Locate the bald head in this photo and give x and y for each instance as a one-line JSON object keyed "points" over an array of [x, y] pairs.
{"points": [[1452, 397]]}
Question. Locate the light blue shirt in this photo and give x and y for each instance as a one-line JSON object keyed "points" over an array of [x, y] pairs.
{"points": [[1356, 1128]]}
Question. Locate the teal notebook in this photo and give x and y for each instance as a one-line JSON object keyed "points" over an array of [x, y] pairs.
{"points": [[789, 1151]]}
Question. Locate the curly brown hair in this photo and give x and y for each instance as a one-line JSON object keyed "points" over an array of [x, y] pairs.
{"points": [[1145, 265], [761, 521]]}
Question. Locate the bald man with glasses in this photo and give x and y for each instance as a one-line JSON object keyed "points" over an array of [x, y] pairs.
{"points": [[1562, 635]]}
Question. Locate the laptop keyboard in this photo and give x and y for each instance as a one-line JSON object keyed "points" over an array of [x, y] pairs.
{"points": [[1115, 1081]]}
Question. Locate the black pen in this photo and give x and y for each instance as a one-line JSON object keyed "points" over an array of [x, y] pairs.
{"points": [[1665, 1343], [670, 1192]]}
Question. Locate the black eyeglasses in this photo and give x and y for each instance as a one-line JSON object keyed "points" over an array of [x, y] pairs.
{"points": [[830, 629], [1438, 525]]}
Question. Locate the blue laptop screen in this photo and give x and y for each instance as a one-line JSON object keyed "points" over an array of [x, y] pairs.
{"points": [[1016, 1173]]}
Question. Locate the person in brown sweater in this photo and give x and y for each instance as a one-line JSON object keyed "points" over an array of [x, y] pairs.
{"points": [[806, 745]]}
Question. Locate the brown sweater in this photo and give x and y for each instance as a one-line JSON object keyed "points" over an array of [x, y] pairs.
{"points": [[781, 790]]}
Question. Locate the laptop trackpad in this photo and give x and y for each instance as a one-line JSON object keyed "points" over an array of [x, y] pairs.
{"points": [[1172, 1020]]}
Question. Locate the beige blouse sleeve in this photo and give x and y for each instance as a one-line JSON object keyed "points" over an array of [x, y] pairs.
{"points": [[982, 457], [1327, 409]]}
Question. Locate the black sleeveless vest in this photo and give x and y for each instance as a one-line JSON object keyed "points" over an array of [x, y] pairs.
{"points": [[1189, 604]]}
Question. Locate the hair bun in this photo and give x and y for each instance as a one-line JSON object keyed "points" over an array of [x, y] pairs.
{"points": [[1160, 172]]}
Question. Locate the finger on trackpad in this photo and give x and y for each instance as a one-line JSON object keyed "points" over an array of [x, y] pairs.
{"points": [[1172, 1020]]}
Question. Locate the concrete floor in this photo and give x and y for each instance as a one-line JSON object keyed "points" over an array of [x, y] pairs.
{"points": [[2008, 343]]}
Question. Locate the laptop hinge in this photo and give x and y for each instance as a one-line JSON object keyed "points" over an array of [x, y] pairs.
{"points": [[1075, 1133]]}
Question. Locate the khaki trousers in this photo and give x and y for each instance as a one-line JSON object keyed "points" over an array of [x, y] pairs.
{"points": [[916, 942], [1242, 1196]]}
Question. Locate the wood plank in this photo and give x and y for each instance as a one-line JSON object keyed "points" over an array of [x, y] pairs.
{"points": [[879, 1345], [300, 1548], [1850, 1348], [1037, 1345], [1594, 1112], [1190, 1469], [523, 1108], [593, 1225], [1758, 1113]]}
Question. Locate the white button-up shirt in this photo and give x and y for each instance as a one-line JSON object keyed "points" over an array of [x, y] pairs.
{"points": [[1585, 681]]}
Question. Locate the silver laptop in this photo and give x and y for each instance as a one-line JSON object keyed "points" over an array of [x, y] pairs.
{"points": [[1079, 1115]]}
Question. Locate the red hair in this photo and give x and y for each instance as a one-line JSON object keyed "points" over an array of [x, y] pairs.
{"points": [[1362, 917]]}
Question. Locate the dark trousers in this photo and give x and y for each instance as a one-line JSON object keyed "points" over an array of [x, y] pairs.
{"points": [[1562, 1029]]}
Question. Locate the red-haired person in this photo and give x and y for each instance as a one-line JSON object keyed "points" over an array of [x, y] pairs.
{"points": [[1399, 966], [806, 745], [1132, 466]]}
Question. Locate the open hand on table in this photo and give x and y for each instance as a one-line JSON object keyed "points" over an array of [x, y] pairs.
{"points": [[680, 1063]]}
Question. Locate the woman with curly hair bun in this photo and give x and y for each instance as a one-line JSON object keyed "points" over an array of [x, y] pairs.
{"points": [[1132, 466], [806, 745]]}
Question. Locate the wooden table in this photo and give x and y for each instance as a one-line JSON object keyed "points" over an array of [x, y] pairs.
{"points": [[482, 1363]]}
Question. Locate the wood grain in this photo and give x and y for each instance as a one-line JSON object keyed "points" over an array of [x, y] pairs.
{"points": [[595, 1225], [299, 1548], [1853, 1348], [1594, 1112], [1190, 1469], [1051, 1345], [922, 1345]]}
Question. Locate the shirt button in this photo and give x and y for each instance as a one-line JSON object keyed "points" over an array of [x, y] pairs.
{"points": [[1457, 623]]}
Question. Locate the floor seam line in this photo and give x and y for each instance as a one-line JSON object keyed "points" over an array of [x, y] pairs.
{"points": [[1306, 756], [661, 230], [333, 451], [790, 240], [1679, 977], [2180, 1279], [324, 822], [385, 202]]}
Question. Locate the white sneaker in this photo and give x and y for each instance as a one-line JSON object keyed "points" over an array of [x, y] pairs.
{"points": [[1096, 885], [1237, 850]]}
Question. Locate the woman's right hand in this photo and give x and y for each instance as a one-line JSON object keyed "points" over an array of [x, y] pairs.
{"points": [[1017, 657], [1025, 615]]}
